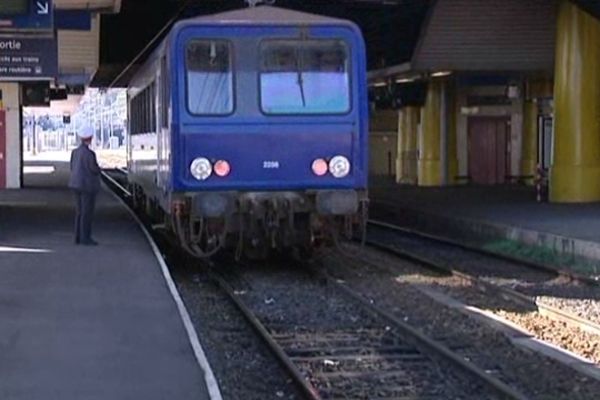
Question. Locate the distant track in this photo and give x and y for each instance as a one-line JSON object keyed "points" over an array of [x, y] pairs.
{"points": [[516, 260], [474, 277]]}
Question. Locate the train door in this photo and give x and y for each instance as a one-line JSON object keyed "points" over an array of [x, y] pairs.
{"points": [[488, 144]]}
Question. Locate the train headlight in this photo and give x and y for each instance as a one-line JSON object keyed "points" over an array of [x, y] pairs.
{"points": [[339, 166], [201, 168]]}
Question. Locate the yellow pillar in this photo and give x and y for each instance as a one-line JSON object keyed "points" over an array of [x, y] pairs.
{"points": [[529, 141], [406, 161], [452, 134], [575, 173], [400, 154], [429, 139], [411, 114]]}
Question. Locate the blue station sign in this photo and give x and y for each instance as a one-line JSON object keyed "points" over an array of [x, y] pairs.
{"points": [[26, 15], [28, 58]]}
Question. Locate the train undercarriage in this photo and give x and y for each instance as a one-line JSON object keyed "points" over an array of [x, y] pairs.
{"points": [[256, 224]]}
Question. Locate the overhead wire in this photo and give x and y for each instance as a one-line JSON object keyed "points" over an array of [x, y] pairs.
{"points": [[156, 38]]}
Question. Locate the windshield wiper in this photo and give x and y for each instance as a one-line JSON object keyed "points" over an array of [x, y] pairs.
{"points": [[300, 80]]}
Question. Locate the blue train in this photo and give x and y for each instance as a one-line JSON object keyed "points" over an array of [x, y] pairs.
{"points": [[248, 130]]}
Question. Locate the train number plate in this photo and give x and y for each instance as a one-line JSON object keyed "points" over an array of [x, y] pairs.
{"points": [[270, 164]]}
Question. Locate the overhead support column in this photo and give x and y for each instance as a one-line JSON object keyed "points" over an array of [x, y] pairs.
{"points": [[429, 139], [575, 173], [10, 136], [451, 141], [406, 162], [529, 142], [438, 163], [444, 135]]}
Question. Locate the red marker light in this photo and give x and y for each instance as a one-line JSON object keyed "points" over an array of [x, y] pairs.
{"points": [[320, 167], [222, 168]]}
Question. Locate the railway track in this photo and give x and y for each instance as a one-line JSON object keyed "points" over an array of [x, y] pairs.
{"points": [[116, 179], [549, 269], [349, 348], [569, 301], [374, 355]]}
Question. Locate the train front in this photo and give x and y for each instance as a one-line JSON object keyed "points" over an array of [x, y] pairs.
{"points": [[272, 145]]}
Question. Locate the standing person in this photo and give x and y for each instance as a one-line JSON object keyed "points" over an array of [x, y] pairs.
{"points": [[85, 182]]}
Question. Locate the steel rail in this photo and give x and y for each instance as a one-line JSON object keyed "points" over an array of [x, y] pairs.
{"points": [[113, 182], [517, 260], [307, 388], [544, 309], [500, 387]]}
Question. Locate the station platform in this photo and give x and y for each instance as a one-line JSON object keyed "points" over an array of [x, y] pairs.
{"points": [[494, 216], [87, 322]]}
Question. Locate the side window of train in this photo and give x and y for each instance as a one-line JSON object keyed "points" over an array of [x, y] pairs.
{"points": [[164, 93], [209, 77], [135, 115], [304, 77], [143, 111]]}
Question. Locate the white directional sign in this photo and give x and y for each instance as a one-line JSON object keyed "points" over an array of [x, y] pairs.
{"points": [[42, 7]]}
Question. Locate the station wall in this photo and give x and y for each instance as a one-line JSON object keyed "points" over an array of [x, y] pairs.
{"points": [[383, 140], [463, 108], [11, 104]]}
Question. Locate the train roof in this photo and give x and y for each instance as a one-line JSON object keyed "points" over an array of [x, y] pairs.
{"points": [[266, 15]]}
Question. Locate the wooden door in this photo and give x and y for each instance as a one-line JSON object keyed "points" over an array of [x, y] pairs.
{"points": [[488, 150]]}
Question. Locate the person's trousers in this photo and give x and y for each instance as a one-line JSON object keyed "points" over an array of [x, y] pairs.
{"points": [[84, 206]]}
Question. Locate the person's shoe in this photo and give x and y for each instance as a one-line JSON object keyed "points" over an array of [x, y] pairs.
{"points": [[90, 243]]}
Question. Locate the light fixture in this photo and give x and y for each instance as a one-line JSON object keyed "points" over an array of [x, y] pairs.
{"points": [[222, 168], [339, 166], [319, 167], [441, 73], [201, 168]]}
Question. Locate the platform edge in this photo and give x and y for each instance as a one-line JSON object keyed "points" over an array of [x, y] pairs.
{"points": [[211, 382]]}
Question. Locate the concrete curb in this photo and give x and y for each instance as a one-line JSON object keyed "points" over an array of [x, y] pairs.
{"points": [[517, 335], [480, 230]]}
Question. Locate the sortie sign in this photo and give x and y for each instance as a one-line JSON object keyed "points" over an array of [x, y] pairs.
{"points": [[23, 59]]}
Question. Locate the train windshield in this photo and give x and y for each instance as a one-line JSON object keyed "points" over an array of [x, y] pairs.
{"points": [[304, 77], [209, 77]]}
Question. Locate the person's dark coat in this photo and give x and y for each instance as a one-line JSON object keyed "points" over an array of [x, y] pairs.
{"points": [[85, 172]]}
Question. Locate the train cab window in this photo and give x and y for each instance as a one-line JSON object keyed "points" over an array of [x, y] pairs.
{"points": [[304, 77], [209, 77]]}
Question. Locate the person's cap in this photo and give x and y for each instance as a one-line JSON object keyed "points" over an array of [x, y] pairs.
{"points": [[85, 132]]}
